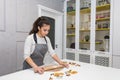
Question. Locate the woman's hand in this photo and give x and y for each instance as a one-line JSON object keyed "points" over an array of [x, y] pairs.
{"points": [[56, 58], [64, 64], [39, 70]]}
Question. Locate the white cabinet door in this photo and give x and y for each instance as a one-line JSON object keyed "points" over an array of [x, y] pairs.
{"points": [[2, 14], [116, 61]]}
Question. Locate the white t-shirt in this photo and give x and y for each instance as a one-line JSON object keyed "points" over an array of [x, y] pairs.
{"points": [[30, 45]]}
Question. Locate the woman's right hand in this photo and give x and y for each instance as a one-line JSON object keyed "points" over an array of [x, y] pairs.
{"points": [[39, 70]]}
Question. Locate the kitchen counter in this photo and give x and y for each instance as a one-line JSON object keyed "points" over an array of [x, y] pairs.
{"points": [[84, 72]]}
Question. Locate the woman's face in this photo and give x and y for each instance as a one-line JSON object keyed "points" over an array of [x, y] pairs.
{"points": [[44, 30]]}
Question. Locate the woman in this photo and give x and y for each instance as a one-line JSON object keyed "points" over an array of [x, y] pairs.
{"points": [[37, 44]]}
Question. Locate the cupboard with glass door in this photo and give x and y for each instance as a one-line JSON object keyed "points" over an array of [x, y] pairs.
{"points": [[87, 31]]}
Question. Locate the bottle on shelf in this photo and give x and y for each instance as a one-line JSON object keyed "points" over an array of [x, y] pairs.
{"points": [[106, 37]]}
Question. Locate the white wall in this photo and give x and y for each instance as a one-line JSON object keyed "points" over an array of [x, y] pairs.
{"points": [[16, 18]]}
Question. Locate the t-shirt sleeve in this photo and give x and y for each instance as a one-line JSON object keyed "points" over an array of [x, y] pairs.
{"points": [[27, 47], [50, 48]]}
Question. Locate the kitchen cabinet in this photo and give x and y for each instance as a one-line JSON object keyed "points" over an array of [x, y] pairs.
{"points": [[102, 28], [88, 31], [116, 33]]}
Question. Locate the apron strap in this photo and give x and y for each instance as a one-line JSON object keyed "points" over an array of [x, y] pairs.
{"points": [[35, 38], [45, 39]]}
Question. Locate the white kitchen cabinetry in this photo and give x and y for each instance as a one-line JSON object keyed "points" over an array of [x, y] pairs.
{"points": [[88, 31], [116, 33]]}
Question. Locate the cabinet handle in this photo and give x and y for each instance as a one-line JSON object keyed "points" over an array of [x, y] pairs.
{"points": [[56, 46]]}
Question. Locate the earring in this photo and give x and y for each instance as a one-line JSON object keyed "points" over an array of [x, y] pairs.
{"points": [[38, 28]]}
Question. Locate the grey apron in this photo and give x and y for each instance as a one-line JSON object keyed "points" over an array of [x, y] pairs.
{"points": [[38, 54]]}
